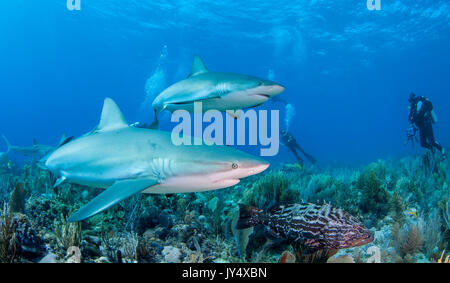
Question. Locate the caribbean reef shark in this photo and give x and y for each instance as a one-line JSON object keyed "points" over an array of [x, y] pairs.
{"points": [[4, 156], [38, 151], [217, 91], [129, 160]]}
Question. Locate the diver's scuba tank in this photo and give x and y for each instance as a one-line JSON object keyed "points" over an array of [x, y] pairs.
{"points": [[432, 114], [434, 118]]}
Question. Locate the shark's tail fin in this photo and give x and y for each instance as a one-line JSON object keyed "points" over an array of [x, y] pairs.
{"points": [[249, 216], [7, 143]]}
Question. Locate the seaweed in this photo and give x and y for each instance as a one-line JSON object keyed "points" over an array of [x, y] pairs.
{"points": [[271, 188], [375, 198], [397, 208]]}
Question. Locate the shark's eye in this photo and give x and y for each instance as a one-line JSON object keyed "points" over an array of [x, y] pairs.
{"points": [[235, 166]]}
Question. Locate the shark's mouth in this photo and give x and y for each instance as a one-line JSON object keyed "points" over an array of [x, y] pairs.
{"points": [[263, 95], [189, 102], [180, 103], [231, 180]]}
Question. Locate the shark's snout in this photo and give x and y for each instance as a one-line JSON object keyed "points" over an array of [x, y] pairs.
{"points": [[253, 167], [50, 164], [256, 169], [274, 89]]}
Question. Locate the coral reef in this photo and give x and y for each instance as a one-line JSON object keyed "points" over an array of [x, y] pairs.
{"points": [[404, 202]]}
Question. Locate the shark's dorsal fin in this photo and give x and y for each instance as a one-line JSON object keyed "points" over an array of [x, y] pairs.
{"points": [[112, 118], [62, 139], [198, 67], [66, 141]]}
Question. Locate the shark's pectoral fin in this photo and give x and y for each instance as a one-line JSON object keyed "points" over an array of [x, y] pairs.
{"points": [[59, 181], [155, 123], [113, 195]]}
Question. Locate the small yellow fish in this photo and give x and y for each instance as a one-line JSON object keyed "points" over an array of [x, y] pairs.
{"points": [[295, 165], [9, 164], [413, 213]]}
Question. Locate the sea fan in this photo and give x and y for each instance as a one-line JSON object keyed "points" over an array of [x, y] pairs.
{"points": [[413, 241]]}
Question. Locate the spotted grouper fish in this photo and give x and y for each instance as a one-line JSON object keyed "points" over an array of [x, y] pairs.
{"points": [[313, 227]]}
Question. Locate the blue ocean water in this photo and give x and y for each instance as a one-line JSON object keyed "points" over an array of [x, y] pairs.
{"points": [[348, 71]]}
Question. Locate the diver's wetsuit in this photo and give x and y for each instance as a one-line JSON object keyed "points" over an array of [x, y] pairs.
{"points": [[289, 141], [420, 114]]}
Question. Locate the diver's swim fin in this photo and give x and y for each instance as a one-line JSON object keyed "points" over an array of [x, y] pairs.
{"points": [[113, 195], [310, 158]]}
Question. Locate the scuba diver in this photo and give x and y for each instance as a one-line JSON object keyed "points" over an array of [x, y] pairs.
{"points": [[289, 141], [421, 116]]}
